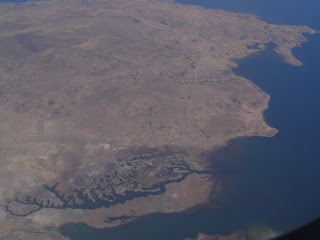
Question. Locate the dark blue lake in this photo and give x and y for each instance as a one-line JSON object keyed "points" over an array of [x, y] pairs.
{"points": [[272, 182], [294, 12]]}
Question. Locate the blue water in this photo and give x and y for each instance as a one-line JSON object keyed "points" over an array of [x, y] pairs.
{"points": [[298, 12], [275, 181], [272, 182]]}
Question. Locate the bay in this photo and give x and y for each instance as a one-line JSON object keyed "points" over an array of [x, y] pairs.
{"points": [[271, 182]]}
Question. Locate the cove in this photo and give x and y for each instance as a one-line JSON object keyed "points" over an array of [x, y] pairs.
{"points": [[272, 182]]}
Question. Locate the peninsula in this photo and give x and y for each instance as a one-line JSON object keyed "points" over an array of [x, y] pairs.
{"points": [[109, 108]]}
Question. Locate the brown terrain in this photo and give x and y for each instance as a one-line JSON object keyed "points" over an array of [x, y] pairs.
{"points": [[108, 108]]}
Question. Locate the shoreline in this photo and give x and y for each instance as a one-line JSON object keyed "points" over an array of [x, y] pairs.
{"points": [[237, 112], [190, 210]]}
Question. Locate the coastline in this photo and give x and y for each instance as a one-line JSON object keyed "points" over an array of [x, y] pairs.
{"points": [[255, 122], [142, 219]]}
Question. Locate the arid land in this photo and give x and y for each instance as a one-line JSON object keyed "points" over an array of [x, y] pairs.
{"points": [[108, 108]]}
